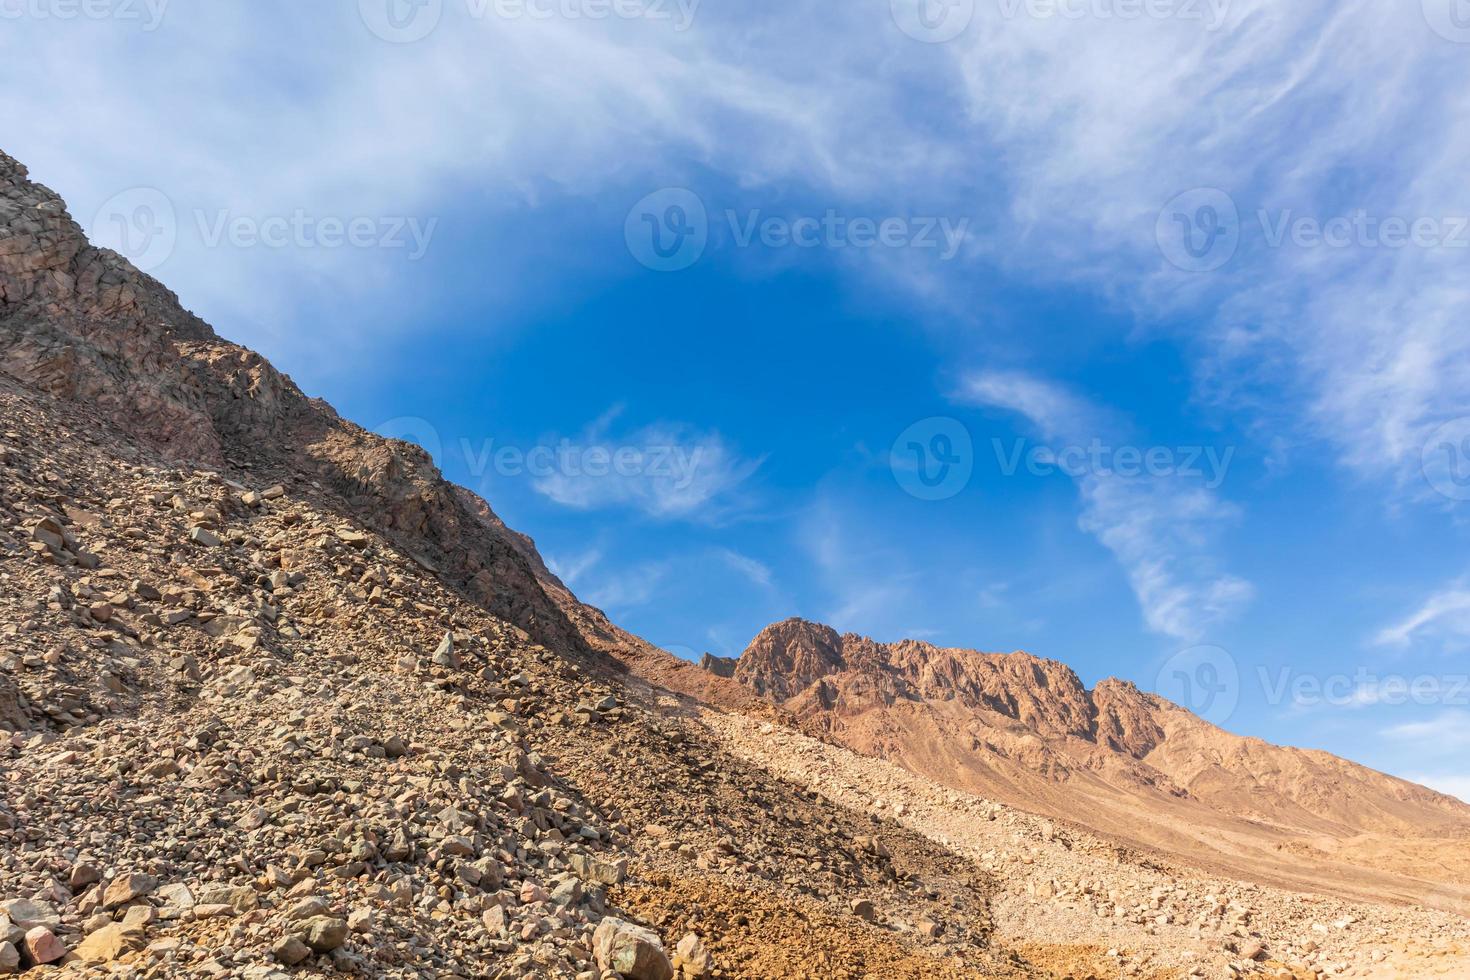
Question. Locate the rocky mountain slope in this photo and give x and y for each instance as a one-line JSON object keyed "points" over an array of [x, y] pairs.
{"points": [[1117, 760], [276, 699]]}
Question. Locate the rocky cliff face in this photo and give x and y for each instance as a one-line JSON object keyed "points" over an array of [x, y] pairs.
{"points": [[811, 668], [82, 324], [264, 673], [1026, 730]]}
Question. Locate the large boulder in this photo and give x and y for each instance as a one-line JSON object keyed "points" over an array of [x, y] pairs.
{"points": [[635, 952]]}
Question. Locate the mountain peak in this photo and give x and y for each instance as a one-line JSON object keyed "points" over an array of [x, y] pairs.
{"points": [[1025, 729]]}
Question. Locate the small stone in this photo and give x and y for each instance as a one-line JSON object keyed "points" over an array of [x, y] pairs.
{"points": [[631, 950], [26, 914], [290, 951], [863, 909], [9, 958], [254, 819], [110, 943], [360, 920], [444, 655], [128, 887], [205, 537], [690, 956], [307, 908], [238, 898], [43, 947], [83, 875], [176, 897], [589, 868], [140, 915], [323, 933]]}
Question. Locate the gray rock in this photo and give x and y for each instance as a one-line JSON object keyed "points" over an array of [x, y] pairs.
{"points": [[323, 933], [635, 952]]}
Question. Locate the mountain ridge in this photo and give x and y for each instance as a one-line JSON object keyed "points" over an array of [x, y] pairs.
{"points": [[1026, 730], [258, 656]]}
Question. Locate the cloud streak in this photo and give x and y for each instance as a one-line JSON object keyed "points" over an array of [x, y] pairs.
{"points": [[1444, 617], [666, 471], [1162, 530]]}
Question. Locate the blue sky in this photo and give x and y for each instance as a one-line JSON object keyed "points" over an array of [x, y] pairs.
{"points": [[1130, 335]]}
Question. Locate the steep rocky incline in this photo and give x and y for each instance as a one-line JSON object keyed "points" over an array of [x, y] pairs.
{"points": [[80, 323], [1026, 730], [274, 697]]}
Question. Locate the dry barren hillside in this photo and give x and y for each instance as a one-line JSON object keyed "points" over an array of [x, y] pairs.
{"points": [[276, 699], [1116, 760]]}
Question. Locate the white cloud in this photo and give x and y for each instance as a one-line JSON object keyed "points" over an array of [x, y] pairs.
{"points": [[1162, 530], [1444, 617], [1449, 732], [483, 115], [666, 470], [571, 568], [758, 573], [629, 588], [1070, 136], [1287, 109]]}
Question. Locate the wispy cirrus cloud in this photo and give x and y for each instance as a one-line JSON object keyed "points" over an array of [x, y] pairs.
{"points": [[1362, 347], [1359, 345], [1163, 530], [665, 470], [572, 568], [624, 589], [756, 572], [1443, 618], [1448, 732]]}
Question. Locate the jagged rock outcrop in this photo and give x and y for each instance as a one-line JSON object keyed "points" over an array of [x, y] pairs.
{"points": [[719, 666], [1027, 730], [275, 697], [81, 323]]}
